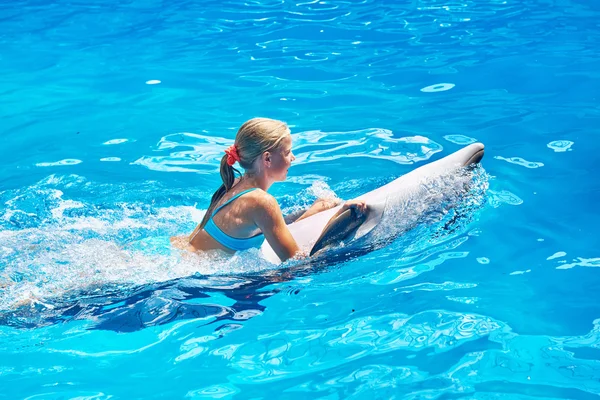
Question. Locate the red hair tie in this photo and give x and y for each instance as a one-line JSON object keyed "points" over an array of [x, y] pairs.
{"points": [[232, 155]]}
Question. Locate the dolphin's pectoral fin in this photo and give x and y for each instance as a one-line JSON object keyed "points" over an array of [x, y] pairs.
{"points": [[339, 229], [374, 216]]}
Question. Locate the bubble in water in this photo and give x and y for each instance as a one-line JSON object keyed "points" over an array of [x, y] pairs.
{"points": [[483, 260], [152, 82], [110, 159], [67, 161], [438, 87], [560, 146]]}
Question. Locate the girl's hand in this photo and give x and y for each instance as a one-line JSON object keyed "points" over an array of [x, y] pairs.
{"points": [[358, 205]]}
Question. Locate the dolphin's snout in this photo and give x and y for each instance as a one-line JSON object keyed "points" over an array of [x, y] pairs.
{"points": [[476, 156]]}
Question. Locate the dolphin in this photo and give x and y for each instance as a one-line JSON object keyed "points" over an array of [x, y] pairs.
{"points": [[410, 192]]}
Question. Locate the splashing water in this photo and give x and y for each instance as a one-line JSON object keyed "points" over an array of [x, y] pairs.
{"points": [[64, 251]]}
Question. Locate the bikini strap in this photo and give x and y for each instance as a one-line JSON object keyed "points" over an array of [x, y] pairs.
{"points": [[232, 199]]}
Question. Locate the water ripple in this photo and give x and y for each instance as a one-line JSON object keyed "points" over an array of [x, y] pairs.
{"points": [[560, 146], [266, 360], [202, 153], [520, 161], [496, 198], [528, 359]]}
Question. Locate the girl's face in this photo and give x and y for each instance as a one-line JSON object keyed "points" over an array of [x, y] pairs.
{"points": [[281, 159]]}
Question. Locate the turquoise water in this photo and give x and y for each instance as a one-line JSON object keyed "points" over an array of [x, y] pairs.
{"points": [[97, 155]]}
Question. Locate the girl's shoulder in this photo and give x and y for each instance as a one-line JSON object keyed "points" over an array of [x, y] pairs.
{"points": [[260, 198], [263, 203]]}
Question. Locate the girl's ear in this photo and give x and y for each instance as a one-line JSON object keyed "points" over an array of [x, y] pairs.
{"points": [[267, 158]]}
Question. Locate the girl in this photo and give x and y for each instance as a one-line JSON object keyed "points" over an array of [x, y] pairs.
{"points": [[241, 214]]}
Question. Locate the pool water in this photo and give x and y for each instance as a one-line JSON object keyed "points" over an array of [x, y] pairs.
{"points": [[114, 117]]}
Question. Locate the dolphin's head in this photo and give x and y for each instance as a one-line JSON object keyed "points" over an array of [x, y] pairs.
{"points": [[470, 155]]}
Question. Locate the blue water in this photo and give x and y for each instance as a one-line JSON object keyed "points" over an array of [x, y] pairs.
{"points": [[96, 156]]}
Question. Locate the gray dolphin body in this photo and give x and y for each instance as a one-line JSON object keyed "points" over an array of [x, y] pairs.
{"points": [[410, 193]]}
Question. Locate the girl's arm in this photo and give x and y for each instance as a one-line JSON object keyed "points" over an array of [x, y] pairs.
{"points": [[269, 219], [318, 206]]}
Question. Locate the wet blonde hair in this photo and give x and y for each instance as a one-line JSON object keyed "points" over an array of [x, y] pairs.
{"points": [[254, 137]]}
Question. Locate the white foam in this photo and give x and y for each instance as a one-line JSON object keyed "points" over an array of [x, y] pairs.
{"points": [[57, 212], [322, 190], [110, 159], [152, 82], [67, 264], [72, 251]]}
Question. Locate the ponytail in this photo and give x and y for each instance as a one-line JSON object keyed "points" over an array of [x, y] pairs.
{"points": [[228, 174]]}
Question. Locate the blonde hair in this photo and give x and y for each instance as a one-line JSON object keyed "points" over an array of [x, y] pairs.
{"points": [[253, 138]]}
